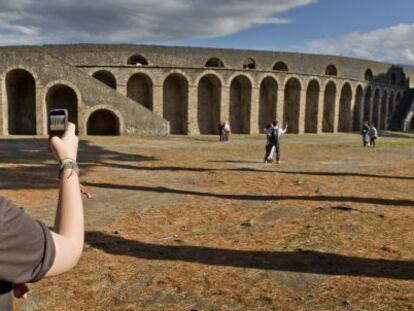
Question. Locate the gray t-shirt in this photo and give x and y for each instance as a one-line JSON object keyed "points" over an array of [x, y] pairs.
{"points": [[27, 250]]}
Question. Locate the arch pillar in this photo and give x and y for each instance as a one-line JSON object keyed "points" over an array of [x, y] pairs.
{"points": [[336, 112], [225, 104], [2, 103], [371, 107], [302, 111], [386, 113], [121, 88], [192, 126], [41, 129], [320, 111], [254, 112], [157, 99], [280, 105]]}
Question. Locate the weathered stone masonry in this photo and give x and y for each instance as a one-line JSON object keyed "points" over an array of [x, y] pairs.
{"points": [[138, 89]]}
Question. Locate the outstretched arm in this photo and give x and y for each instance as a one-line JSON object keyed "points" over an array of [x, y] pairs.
{"points": [[68, 231]]}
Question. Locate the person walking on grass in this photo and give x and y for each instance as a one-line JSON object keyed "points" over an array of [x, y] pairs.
{"points": [[269, 148], [373, 135], [274, 139], [365, 134]]}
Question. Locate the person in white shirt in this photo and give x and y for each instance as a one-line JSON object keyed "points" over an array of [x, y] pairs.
{"points": [[373, 134], [274, 139]]}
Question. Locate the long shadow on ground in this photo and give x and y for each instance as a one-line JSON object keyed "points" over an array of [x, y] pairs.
{"points": [[254, 197], [248, 169], [297, 261]]}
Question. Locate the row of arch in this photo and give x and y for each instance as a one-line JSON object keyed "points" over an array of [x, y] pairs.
{"points": [[20, 89], [353, 108], [250, 63]]}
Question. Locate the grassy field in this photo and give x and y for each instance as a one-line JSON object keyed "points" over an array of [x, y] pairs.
{"points": [[187, 223]]}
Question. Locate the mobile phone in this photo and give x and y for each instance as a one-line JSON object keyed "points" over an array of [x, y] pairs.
{"points": [[58, 120]]}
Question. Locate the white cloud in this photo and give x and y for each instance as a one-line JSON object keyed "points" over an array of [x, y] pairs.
{"points": [[47, 21], [393, 44]]}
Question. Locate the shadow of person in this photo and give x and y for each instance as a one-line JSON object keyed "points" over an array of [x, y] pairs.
{"points": [[296, 261]]}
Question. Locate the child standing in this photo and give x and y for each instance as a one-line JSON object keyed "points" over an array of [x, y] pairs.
{"points": [[373, 134]]}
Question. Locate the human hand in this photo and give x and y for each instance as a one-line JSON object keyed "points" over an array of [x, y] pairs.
{"points": [[67, 146], [20, 291]]}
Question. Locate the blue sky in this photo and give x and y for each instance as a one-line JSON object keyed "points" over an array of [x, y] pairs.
{"points": [[315, 21], [373, 29]]}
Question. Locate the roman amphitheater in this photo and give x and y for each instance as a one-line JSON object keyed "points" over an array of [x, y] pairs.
{"points": [[157, 90]]}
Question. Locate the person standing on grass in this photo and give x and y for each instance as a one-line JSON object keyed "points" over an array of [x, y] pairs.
{"points": [[274, 139], [29, 251], [373, 135], [227, 131], [269, 148], [365, 134]]}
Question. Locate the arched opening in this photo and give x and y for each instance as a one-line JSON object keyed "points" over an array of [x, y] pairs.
{"points": [[137, 60], [384, 103], [358, 109], [393, 79], [139, 89], [412, 124], [280, 66], [367, 104], [345, 116], [376, 108], [331, 71], [249, 63], [397, 101], [329, 108], [209, 99], [369, 76], [215, 62], [312, 106], [175, 103], [61, 96], [21, 102], [268, 101], [240, 105], [390, 106], [105, 77], [291, 106], [103, 122]]}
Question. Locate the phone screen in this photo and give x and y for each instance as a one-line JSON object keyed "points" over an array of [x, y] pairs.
{"points": [[58, 119]]}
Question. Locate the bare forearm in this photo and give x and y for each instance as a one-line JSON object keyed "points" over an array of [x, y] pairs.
{"points": [[68, 233]]}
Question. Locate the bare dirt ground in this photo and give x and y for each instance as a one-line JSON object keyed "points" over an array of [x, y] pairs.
{"points": [[185, 223]]}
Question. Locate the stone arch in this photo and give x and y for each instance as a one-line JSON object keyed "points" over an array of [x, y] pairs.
{"points": [[137, 60], [345, 115], [175, 103], [215, 62], [103, 122], [329, 107], [291, 108], [21, 102], [105, 77], [267, 101], [312, 106], [376, 108], [383, 113], [331, 70], [368, 76], [391, 105], [62, 96], [249, 63], [140, 89], [208, 107], [367, 103], [240, 104], [358, 108], [280, 66]]}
